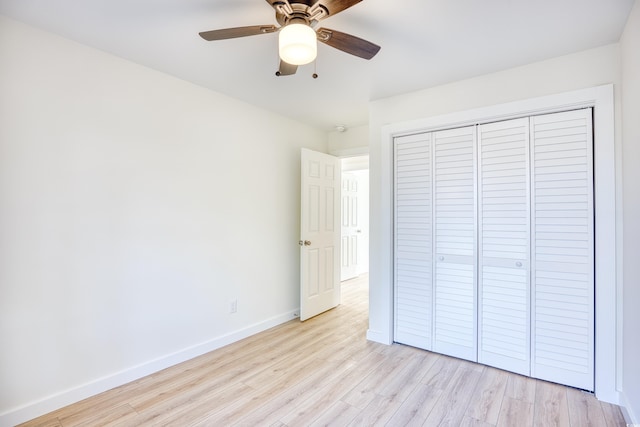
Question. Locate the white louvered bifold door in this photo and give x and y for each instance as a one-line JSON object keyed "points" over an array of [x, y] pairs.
{"points": [[455, 326], [562, 248], [503, 272], [413, 241]]}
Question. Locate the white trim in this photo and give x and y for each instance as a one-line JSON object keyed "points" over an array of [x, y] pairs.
{"points": [[379, 336], [601, 99], [43, 406], [626, 407], [351, 152]]}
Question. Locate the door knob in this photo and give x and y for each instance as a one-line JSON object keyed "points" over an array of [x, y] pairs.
{"points": [[305, 243]]}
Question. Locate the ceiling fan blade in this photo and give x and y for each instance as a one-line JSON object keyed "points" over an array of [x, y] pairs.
{"points": [[232, 33], [334, 7], [348, 43], [286, 69]]}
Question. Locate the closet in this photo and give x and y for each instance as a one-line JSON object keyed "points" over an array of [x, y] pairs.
{"points": [[493, 244]]}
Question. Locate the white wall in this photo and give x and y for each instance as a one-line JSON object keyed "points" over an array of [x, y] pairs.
{"points": [[630, 46], [581, 70], [129, 206], [354, 141]]}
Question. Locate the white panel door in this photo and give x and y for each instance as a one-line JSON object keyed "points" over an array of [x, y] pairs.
{"points": [[320, 233], [563, 248], [504, 230], [351, 231], [413, 254], [363, 220], [455, 326]]}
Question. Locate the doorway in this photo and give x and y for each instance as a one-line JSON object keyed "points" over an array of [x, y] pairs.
{"points": [[354, 237]]}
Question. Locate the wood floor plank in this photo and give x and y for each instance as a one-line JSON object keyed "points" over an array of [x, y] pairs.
{"points": [[86, 409], [339, 414], [187, 383], [256, 365], [186, 409], [281, 388], [297, 364], [488, 396], [584, 409], [211, 372], [613, 415], [44, 421], [114, 417], [441, 372], [417, 407], [472, 422], [521, 388], [551, 408], [515, 412], [279, 405], [324, 372], [346, 349], [451, 408], [401, 385], [377, 413], [305, 412], [366, 390]]}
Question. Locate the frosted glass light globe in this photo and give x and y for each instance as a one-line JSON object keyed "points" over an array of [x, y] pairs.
{"points": [[298, 44]]}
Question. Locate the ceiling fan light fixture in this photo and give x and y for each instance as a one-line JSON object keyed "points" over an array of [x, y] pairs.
{"points": [[298, 44]]}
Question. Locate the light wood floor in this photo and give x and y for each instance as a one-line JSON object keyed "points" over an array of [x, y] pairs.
{"points": [[324, 372]]}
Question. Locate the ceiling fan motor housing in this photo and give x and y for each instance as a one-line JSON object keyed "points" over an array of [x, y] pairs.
{"points": [[308, 11]]}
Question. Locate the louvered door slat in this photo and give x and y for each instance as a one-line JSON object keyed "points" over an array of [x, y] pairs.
{"points": [[413, 241], [455, 243], [562, 250], [504, 313]]}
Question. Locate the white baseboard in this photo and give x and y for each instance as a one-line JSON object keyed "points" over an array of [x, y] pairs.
{"points": [[377, 336], [66, 397], [630, 416]]}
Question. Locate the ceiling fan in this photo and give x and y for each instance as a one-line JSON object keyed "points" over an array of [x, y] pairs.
{"points": [[298, 36]]}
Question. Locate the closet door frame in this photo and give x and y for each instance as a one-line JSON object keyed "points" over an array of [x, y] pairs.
{"points": [[607, 351]]}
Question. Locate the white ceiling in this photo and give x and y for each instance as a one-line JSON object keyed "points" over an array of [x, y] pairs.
{"points": [[424, 43]]}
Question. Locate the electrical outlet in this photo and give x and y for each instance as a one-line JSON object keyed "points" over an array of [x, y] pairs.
{"points": [[233, 306]]}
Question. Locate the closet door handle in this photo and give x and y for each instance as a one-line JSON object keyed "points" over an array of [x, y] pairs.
{"points": [[440, 258], [518, 264]]}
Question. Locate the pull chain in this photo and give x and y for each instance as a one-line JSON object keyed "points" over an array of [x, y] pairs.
{"points": [[278, 63]]}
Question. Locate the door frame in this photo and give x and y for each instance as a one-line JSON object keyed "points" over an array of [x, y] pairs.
{"points": [[601, 98]]}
